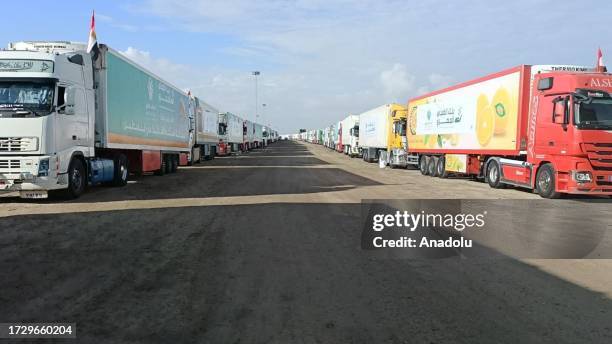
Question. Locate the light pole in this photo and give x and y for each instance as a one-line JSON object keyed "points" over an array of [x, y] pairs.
{"points": [[263, 111], [256, 73]]}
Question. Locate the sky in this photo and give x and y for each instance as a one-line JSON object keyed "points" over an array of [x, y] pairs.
{"points": [[322, 60]]}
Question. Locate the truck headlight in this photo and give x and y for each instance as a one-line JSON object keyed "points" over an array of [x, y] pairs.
{"points": [[43, 168], [582, 176]]}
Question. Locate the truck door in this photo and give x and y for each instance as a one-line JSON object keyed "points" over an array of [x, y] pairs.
{"points": [[553, 121], [73, 118]]}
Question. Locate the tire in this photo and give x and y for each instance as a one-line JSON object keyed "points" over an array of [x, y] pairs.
{"points": [[173, 163], [423, 164], [431, 166], [163, 166], [77, 179], [494, 175], [121, 172], [441, 167], [545, 182]]}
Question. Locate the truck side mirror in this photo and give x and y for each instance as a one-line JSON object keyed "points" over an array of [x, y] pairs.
{"points": [[560, 111], [69, 100]]}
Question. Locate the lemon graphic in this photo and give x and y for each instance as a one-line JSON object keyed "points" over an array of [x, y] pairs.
{"points": [[430, 140], [485, 120], [452, 139], [502, 107]]}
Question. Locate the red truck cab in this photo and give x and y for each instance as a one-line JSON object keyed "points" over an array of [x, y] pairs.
{"points": [[569, 135]]}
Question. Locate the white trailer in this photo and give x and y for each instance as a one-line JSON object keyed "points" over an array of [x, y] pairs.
{"points": [[374, 131], [207, 136], [350, 135]]}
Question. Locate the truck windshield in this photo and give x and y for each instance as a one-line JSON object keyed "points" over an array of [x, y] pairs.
{"points": [[400, 127], [25, 97], [595, 113], [222, 129]]}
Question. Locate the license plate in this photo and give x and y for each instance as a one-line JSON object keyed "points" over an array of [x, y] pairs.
{"points": [[33, 194]]}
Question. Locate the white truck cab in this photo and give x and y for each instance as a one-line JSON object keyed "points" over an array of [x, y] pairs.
{"points": [[47, 113]]}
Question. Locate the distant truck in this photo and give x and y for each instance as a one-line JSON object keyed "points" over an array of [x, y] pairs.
{"points": [[68, 120], [547, 128], [230, 133], [206, 133], [258, 141], [339, 146], [350, 135], [383, 135]]}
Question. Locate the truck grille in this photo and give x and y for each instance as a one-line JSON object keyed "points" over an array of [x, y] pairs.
{"points": [[600, 155], [6, 165], [18, 144]]}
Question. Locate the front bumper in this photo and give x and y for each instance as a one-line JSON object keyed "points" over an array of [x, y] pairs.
{"points": [[600, 185], [399, 158], [21, 174]]}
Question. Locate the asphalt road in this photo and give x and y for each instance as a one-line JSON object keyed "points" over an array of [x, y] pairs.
{"points": [[265, 248]]}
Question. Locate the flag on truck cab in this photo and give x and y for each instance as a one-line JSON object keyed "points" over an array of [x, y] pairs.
{"points": [[600, 63], [92, 43]]}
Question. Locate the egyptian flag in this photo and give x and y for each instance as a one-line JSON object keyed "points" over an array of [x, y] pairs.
{"points": [[92, 44]]}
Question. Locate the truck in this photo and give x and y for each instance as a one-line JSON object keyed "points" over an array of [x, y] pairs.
{"points": [[69, 119], [350, 135], [230, 133], [383, 135], [249, 135], [206, 133], [339, 146], [258, 141], [546, 128]]}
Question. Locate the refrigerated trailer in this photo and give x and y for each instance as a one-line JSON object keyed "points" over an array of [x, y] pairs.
{"points": [[231, 136], [547, 128], [206, 131], [383, 135], [257, 135], [69, 119]]}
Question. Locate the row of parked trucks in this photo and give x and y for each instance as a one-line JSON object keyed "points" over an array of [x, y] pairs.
{"points": [[70, 119], [547, 128]]}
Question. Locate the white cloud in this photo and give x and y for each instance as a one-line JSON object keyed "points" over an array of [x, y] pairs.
{"points": [[397, 82], [331, 58], [174, 72]]}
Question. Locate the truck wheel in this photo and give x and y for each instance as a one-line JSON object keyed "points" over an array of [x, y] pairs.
{"points": [[423, 164], [545, 182], [163, 166], [173, 164], [431, 166], [120, 176], [77, 179], [441, 167], [494, 175]]}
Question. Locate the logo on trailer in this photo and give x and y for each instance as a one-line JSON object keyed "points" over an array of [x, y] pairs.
{"points": [[150, 89]]}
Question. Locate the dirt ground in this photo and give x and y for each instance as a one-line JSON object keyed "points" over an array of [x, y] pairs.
{"points": [[265, 248]]}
